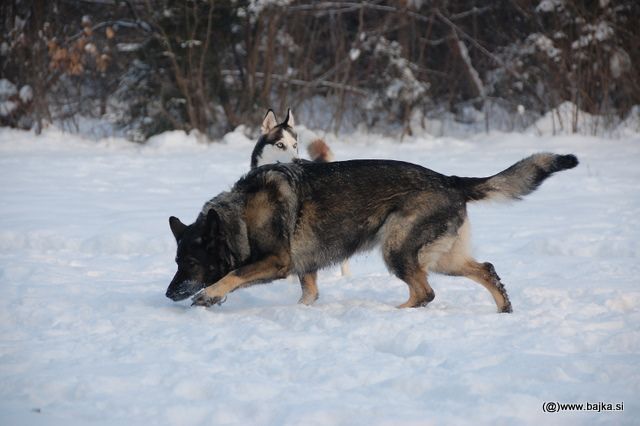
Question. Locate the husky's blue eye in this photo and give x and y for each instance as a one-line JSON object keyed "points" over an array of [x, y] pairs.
{"points": [[280, 145]]}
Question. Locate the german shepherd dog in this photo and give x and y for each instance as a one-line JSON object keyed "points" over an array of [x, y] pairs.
{"points": [[292, 218]]}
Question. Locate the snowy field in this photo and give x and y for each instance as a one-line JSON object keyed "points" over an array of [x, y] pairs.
{"points": [[88, 337]]}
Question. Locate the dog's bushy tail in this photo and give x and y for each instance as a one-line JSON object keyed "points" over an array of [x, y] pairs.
{"points": [[518, 180], [319, 151]]}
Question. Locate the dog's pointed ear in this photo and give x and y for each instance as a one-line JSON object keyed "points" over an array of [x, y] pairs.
{"points": [[177, 227], [289, 121], [269, 122]]}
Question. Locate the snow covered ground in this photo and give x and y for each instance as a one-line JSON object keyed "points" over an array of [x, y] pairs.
{"points": [[88, 337]]}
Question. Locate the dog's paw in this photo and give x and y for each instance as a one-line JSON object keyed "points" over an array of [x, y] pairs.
{"points": [[506, 309], [202, 299]]}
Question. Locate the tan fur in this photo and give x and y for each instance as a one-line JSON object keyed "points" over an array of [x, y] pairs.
{"points": [[429, 256], [275, 266], [484, 274], [285, 191], [395, 230], [304, 243], [345, 270], [309, 288], [319, 151], [259, 210], [457, 254], [420, 292], [458, 261]]}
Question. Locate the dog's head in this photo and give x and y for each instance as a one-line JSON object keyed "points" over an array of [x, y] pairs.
{"points": [[202, 256], [279, 142]]}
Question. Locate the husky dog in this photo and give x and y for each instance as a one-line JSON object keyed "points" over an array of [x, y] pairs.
{"points": [[299, 217], [278, 143]]}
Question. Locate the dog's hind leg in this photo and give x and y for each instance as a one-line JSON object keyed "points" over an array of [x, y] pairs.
{"points": [[405, 266], [485, 274], [458, 262], [400, 253], [309, 288]]}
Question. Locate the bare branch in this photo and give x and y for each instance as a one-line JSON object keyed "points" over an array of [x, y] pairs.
{"points": [[473, 41], [303, 83]]}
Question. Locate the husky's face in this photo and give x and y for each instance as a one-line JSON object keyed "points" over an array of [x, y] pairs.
{"points": [[199, 257], [279, 142]]}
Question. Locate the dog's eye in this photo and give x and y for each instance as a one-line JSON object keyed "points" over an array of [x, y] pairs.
{"points": [[295, 146], [280, 145]]}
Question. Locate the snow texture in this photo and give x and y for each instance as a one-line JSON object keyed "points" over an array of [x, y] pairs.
{"points": [[88, 337], [26, 93], [545, 44], [7, 88], [7, 108], [547, 6], [593, 34]]}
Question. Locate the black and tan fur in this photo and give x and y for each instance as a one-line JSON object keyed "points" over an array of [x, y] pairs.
{"points": [[292, 218], [320, 152]]}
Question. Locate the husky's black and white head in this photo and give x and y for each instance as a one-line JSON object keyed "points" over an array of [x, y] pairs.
{"points": [[278, 143]]}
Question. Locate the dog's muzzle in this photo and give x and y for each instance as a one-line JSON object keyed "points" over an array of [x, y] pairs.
{"points": [[183, 289]]}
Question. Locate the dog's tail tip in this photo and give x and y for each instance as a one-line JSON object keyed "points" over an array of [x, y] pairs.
{"points": [[520, 179], [319, 151], [564, 162]]}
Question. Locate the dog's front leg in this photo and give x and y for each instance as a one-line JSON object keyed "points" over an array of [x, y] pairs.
{"points": [[271, 268]]}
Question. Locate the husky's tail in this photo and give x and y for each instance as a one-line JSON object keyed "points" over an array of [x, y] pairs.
{"points": [[319, 151], [518, 180]]}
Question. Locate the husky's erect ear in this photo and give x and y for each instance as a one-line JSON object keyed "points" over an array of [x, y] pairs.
{"points": [[269, 122], [177, 227], [289, 121]]}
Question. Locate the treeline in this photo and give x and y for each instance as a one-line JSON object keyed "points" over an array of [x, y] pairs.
{"points": [[211, 65]]}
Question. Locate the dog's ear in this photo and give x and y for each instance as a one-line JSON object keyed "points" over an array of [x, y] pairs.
{"points": [[289, 121], [177, 227], [269, 122]]}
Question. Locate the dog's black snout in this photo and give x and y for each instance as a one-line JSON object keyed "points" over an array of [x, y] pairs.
{"points": [[177, 294]]}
